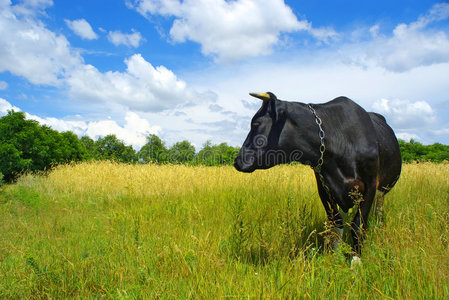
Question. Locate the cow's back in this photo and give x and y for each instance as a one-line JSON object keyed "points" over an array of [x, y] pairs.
{"points": [[390, 162], [348, 128]]}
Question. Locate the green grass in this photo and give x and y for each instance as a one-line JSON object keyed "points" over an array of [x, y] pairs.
{"points": [[174, 232]]}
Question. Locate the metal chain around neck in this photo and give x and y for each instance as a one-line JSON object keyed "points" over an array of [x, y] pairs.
{"points": [[320, 162], [319, 122]]}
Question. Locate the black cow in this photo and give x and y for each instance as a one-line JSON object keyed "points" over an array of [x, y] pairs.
{"points": [[348, 148]]}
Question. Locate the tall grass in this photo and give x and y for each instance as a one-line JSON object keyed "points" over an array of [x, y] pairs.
{"points": [[148, 231]]}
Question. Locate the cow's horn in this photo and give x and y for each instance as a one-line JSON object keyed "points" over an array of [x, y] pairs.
{"points": [[261, 96]]}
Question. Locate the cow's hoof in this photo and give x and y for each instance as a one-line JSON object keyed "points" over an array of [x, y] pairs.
{"points": [[356, 262]]}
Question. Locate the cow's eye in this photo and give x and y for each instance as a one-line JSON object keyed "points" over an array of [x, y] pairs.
{"points": [[256, 124]]}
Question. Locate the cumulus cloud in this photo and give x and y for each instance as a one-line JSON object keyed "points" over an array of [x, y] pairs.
{"points": [[82, 28], [5, 106], [141, 87], [404, 114], [128, 39], [411, 45], [133, 132], [30, 50], [230, 30]]}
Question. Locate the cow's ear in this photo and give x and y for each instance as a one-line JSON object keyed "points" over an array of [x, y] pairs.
{"points": [[269, 103]]}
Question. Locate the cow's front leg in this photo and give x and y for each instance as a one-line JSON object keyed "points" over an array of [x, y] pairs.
{"points": [[334, 220], [334, 227]]}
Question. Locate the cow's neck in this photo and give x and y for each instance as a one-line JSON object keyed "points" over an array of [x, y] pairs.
{"points": [[304, 132]]}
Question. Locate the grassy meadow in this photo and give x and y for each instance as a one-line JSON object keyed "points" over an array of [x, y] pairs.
{"points": [[112, 230]]}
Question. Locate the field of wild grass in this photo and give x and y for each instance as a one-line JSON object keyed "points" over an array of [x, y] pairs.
{"points": [[146, 231]]}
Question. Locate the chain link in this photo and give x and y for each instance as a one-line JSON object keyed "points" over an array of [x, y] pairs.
{"points": [[322, 135], [320, 162]]}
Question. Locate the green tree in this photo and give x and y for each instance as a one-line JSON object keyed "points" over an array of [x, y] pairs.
{"points": [[214, 155], [181, 152], [11, 162], [17, 144], [153, 151], [437, 152], [110, 147], [89, 145], [28, 146]]}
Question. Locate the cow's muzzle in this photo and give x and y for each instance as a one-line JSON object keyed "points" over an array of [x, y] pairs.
{"points": [[244, 164]]}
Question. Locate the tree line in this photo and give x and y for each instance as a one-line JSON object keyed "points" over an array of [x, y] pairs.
{"points": [[25, 145], [415, 151]]}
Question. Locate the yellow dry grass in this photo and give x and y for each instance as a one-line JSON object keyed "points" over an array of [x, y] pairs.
{"points": [[169, 231]]}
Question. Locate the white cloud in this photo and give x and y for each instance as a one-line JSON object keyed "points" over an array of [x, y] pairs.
{"points": [[410, 48], [406, 136], [30, 50], [77, 127], [231, 29], [82, 28], [405, 114], [128, 39], [410, 45], [323, 34], [134, 131], [5, 106], [141, 87], [438, 12], [29, 7]]}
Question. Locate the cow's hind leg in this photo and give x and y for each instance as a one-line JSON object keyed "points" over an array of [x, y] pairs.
{"points": [[378, 206]]}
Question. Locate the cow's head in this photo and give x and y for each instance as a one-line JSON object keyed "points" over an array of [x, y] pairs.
{"points": [[261, 149]]}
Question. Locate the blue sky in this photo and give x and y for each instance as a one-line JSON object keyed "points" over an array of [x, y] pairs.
{"points": [[183, 69]]}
